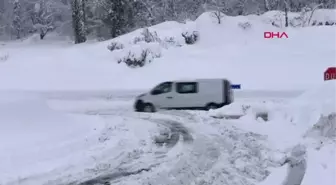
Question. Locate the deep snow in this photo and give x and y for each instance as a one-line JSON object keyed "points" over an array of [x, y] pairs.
{"points": [[308, 119], [225, 50], [49, 135]]}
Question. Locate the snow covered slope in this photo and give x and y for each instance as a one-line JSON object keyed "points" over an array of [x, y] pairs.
{"points": [[68, 141], [225, 50]]}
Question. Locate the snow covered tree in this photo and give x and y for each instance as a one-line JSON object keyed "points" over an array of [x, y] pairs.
{"points": [[78, 21], [17, 19], [113, 15], [62, 16], [218, 7], [42, 17], [110, 18]]}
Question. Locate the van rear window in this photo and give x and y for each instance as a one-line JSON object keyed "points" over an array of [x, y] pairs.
{"points": [[186, 87]]}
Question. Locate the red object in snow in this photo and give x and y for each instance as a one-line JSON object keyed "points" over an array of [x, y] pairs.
{"points": [[330, 73]]}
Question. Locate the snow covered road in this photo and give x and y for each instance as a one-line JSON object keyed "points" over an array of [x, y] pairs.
{"points": [[165, 148]]}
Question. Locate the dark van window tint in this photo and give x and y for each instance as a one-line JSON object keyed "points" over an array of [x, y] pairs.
{"points": [[162, 88], [186, 87]]}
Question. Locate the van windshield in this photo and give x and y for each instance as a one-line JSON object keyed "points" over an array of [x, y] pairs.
{"points": [[162, 88]]}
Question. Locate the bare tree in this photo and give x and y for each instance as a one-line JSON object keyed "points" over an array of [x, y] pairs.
{"points": [[217, 6], [42, 17], [313, 10]]}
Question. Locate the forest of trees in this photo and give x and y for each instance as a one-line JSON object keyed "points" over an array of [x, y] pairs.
{"points": [[105, 19]]}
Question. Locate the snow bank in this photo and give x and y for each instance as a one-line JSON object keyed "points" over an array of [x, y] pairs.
{"points": [[321, 98], [321, 166], [314, 113], [223, 51], [40, 144], [266, 118], [34, 138], [277, 176], [321, 103], [240, 109]]}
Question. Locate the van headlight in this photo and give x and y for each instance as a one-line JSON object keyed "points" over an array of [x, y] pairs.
{"points": [[141, 95]]}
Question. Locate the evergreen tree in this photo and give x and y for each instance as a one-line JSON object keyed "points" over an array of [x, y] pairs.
{"points": [[78, 21], [17, 19]]}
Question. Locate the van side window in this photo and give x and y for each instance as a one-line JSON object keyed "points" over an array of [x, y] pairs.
{"points": [[162, 88], [186, 87]]}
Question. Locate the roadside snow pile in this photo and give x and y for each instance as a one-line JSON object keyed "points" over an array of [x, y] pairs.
{"points": [[265, 118], [240, 110], [318, 107], [293, 169], [232, 111], [304, 110], [321, 167], [322, 102], [325, 127], [34, 138], [321, 98], [40, 145]]}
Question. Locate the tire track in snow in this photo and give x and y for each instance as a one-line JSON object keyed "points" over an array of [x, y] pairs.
{"points": [[105, 179], [297, 165], [198, 156], [196, 159], [176, 129], [233, 157]]}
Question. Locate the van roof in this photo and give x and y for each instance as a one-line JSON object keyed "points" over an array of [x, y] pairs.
{"points": [[197, 79]]}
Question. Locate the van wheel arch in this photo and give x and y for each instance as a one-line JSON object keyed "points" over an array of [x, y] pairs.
{"points": [[139, 105], [148, 107]]}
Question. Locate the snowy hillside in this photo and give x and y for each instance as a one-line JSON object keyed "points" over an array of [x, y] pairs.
{"points": [[225, 50], [66, 115]]}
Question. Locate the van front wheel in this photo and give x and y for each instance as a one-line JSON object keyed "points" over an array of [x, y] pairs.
{"points": [[148, 108]]}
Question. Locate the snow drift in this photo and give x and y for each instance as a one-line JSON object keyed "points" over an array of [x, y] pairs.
{"points": [[41, 145], [307, 122], [226, 50], [30, 132]]}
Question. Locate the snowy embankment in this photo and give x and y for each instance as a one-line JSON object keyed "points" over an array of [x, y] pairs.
{"points": [[39, 144], [307, 122], [226, 50]]}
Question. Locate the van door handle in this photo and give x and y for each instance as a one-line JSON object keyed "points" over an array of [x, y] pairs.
{"points": [[169, 97]]}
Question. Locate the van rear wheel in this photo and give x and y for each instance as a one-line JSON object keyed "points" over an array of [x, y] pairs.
{"points": [[148, 108], [211, 106]]}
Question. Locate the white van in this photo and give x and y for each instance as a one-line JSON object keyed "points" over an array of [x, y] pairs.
{"points": [[199, 94]]}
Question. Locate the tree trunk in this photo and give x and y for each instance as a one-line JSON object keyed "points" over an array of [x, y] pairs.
{"points": [[78, 21], [286, 13]]}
